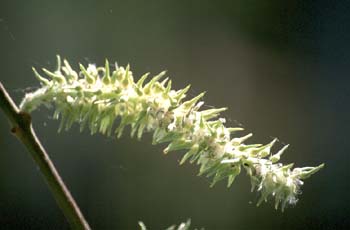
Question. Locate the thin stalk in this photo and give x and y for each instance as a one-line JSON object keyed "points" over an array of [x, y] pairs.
{"points": [[23, 130]]}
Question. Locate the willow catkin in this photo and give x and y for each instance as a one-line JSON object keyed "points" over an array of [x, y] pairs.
{"points": [[96, 97]]}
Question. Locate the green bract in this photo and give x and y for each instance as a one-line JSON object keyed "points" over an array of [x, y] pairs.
{"points": [[96, 96]]}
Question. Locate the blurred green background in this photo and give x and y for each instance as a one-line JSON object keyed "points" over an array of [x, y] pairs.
{"points": [[281, 67]]}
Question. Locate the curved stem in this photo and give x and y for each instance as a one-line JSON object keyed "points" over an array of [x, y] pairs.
{"points": [[23, 130]]}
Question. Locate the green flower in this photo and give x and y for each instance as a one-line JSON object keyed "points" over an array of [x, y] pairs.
{"points": [[96, 96]]}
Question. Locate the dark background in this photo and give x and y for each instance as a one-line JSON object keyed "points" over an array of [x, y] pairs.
{"points": [[282, 67]]}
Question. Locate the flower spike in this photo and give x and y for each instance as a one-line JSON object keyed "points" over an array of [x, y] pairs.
{"points": [[97, 101]]}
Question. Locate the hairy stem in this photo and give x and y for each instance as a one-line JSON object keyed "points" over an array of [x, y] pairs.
{"points": [[23, 130]]}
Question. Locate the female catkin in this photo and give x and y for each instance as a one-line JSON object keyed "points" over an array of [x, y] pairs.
{"points": [[95, 97]]}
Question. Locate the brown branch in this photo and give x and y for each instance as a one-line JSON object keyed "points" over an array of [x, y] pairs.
{"points": [[23, 130]]}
